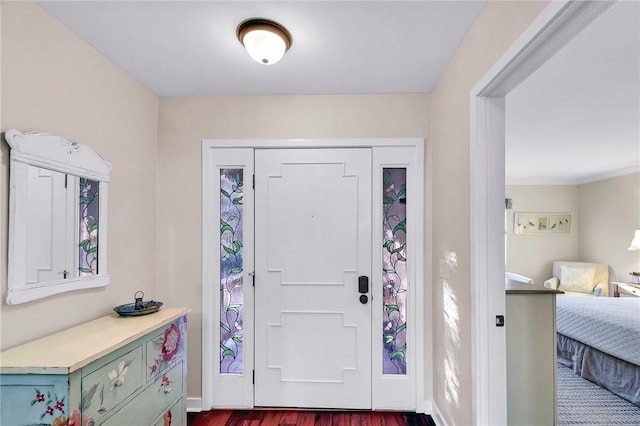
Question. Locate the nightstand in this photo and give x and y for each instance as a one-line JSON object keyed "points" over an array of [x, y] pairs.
{"points": [[625, 289]]}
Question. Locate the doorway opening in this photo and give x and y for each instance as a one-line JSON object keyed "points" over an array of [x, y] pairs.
{"points": [[553, 29]]}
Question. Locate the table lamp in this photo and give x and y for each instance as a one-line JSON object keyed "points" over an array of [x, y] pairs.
{"points": [[635, 245]]}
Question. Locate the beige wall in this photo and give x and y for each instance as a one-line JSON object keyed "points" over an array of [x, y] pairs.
{"points": [[605, 215], [495, 30], [533, 255], [53, 81], [185, 122], [609, 214]]}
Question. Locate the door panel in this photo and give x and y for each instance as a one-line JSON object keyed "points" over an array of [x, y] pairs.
{"points": [[297, 335], [313, 240]]}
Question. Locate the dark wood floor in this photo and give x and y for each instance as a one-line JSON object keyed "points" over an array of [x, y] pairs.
{"points": [[272, 417]]}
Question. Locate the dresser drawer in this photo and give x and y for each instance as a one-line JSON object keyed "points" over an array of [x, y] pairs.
{"points": [[176, 415], [106, 388], [152, 402], [165, 348]]}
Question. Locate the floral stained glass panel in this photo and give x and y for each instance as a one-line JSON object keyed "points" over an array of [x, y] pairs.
{"points": [[394, 270], [89, 219], [231, 264]]}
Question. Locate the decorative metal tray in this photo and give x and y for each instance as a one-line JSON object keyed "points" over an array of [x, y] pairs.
{"points": [[129, 310], [139, 307]]}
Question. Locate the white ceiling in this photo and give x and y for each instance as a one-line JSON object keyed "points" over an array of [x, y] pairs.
{"points": [[576, 119], [179, 48]]}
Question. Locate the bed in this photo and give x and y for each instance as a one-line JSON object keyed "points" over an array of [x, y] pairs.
{"points": [[599, 338]]}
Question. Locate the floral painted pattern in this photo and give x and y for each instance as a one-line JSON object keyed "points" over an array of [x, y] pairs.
{"points": [[165, 384], [171, 342], [60, 421], [117, 375], [168, 346], [53, 411], [167, 418], [77, 419], [50, 404]]}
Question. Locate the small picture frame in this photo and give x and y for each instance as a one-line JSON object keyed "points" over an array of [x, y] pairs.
{"points": [[542, 223]]}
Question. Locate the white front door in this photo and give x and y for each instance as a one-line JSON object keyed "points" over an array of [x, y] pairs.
{"points": [[312, 243]]}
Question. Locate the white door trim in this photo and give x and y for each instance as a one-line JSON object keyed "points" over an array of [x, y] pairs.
{"points": [[553, 29], [313, 143], [236, 385], [422, 309]]}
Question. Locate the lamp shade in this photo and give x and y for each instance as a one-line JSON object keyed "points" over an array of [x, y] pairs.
{"points": [[266, 41], [635, 243]]}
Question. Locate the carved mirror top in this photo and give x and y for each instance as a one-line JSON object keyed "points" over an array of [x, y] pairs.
{"points": [[57, 153]]}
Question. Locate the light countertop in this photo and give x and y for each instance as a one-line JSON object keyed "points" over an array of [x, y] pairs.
{"points": [[71, 349]]}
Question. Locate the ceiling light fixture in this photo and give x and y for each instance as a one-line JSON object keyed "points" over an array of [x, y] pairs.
{"points": [[265, 40]]}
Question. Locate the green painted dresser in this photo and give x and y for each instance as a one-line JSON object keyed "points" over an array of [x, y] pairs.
{"points": [[113, 371]]}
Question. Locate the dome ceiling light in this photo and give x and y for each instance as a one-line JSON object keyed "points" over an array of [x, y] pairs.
{"points": [[266, 41]]}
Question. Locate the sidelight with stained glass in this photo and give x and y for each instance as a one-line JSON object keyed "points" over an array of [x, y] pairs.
{"points": [[394, 270], [231, 264]]}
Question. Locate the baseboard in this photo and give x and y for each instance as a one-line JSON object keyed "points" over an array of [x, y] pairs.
{"points": [[425, 407], [194, 405], [436, 415]]}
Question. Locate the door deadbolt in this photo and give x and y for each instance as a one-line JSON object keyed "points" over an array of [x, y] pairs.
{"points": [[363, 284]]}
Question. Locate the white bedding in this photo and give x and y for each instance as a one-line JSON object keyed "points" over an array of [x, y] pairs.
{"points": [[609, 324]]}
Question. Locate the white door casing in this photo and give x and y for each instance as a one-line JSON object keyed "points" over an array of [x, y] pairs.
{"points": [[551, 31], [313, 240], [386, 391]]}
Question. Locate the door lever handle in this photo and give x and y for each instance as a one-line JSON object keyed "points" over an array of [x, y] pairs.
{"points": [[363, 284]]}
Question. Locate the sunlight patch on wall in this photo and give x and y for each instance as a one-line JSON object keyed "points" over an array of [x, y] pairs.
{"points": [[452, 259], [452, 343], [451, 314], [451, 383]]}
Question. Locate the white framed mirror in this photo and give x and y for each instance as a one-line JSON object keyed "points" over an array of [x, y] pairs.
{"points": [[57, 216]]}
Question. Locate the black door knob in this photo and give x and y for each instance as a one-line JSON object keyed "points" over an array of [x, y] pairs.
{"points": [[364, 299]]}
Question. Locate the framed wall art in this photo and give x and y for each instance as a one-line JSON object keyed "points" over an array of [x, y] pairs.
{"points": [[542, 223]]}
